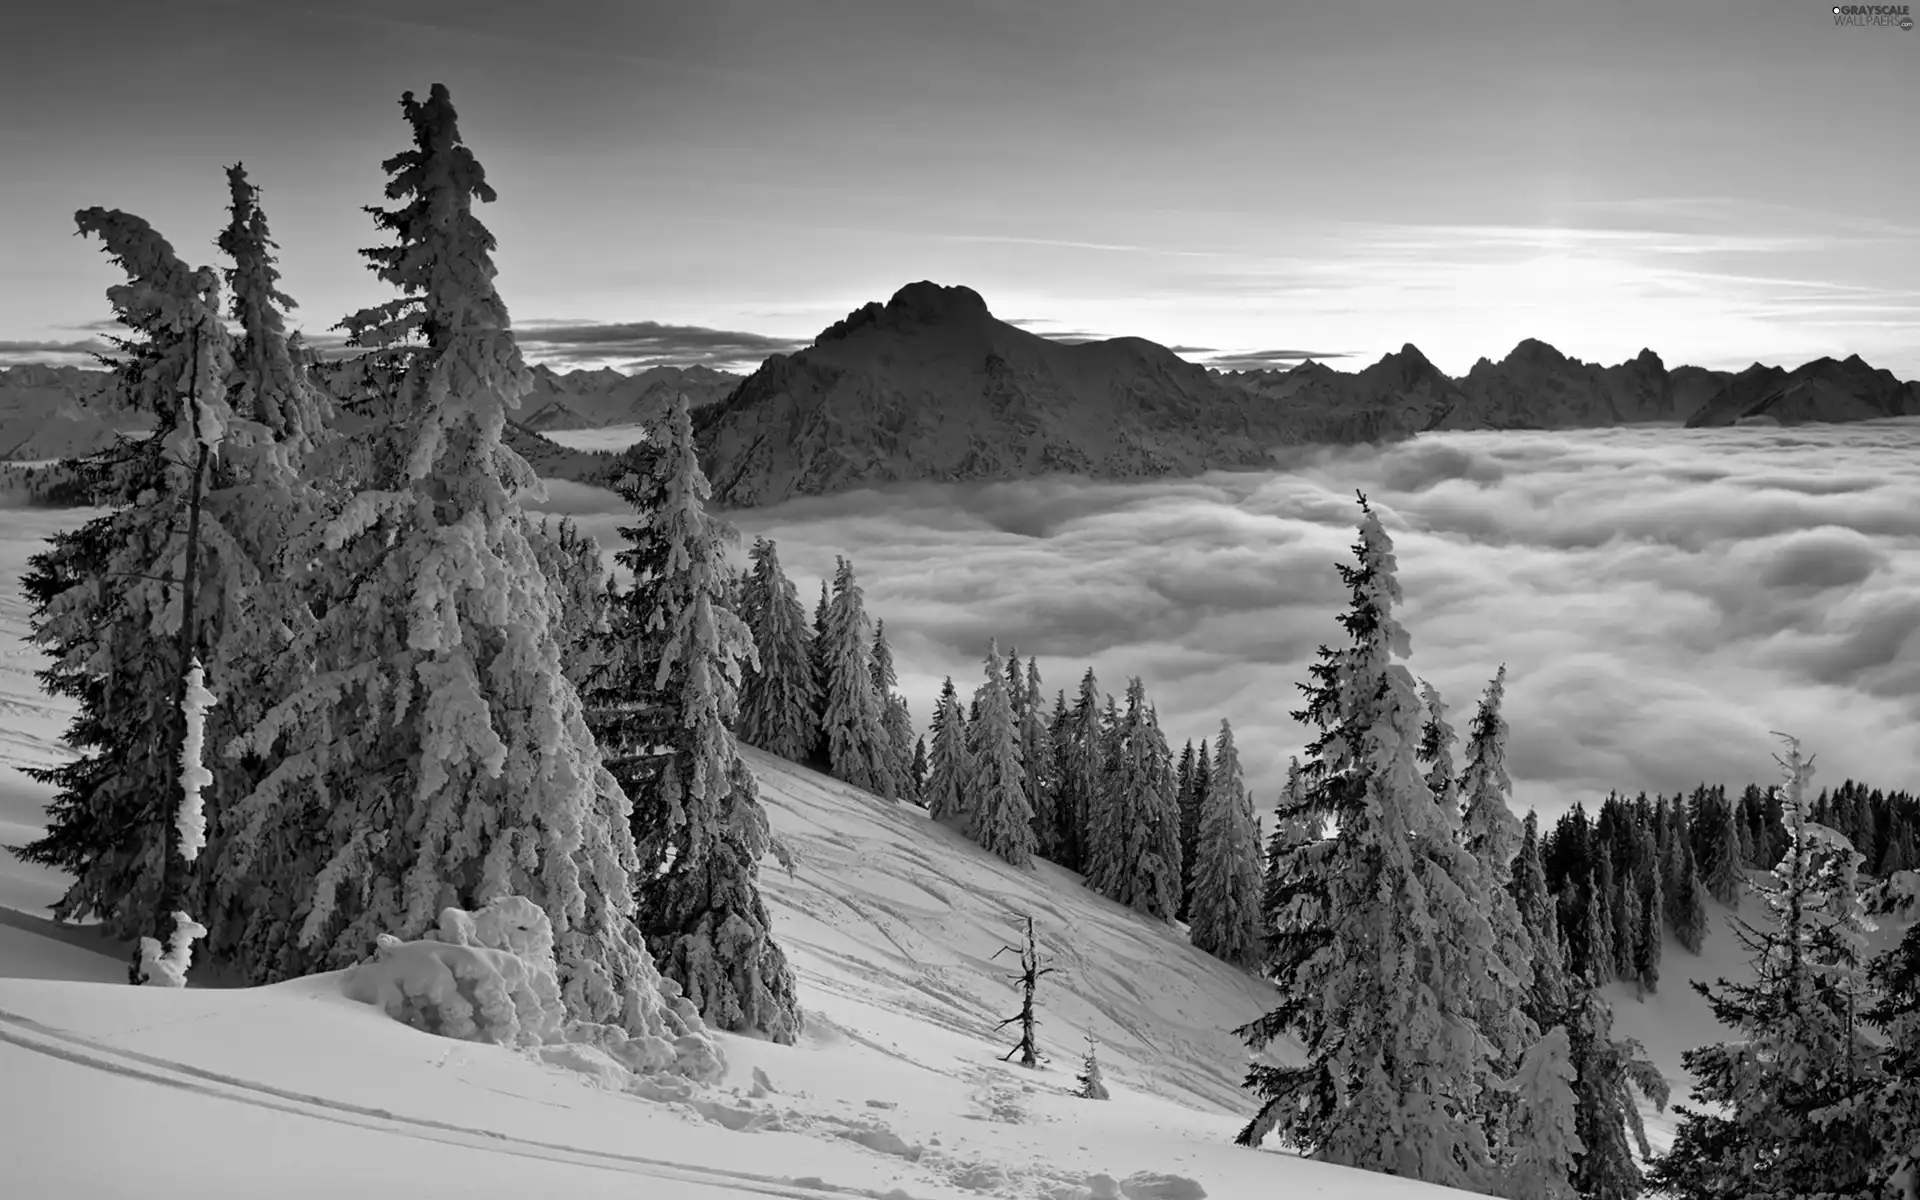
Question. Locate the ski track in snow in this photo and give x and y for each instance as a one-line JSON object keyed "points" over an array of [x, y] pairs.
{"points": [[86, 1052]]}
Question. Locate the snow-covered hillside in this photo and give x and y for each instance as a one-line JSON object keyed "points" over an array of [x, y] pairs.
{"points": [[895, 1090]]}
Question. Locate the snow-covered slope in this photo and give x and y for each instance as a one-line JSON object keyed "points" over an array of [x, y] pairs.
{"points": [[895, 1090]]}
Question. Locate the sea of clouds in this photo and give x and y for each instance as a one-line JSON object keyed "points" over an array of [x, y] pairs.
{"points": [[1662, 598]]}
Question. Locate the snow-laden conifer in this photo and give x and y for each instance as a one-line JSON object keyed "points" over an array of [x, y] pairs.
{"points": [[920, 770], [439, 756], [1036, 761], [1436, 746], [1789, 1091], [1726, 872], [1227, 880], [996, 797], [1492, 835], [949, 767], [779, 699], [1381, 980], [1539, 917], [1078, 748], [572, 563], [1134, 839], [1545, 1141], [1891, 1107], [1608, 1071], [1681, 891], [894, 717], [670, 689], [859, 749], [1189, 827], [1092, 1085], [126, 602]]}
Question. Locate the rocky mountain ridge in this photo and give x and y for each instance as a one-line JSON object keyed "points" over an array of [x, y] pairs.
{"points": [[931, 386]]}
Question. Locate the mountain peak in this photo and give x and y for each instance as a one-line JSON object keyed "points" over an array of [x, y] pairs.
{"points": [[929, 303], [1535, 350]]}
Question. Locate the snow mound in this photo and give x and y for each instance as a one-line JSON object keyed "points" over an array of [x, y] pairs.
{"points": [[490, 976], [452, 987]]}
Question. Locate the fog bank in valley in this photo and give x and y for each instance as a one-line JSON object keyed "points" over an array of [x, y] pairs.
{"points": [[1662, 598]]}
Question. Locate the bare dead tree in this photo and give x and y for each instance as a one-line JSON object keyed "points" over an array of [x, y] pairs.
{"points": [[1029, 978]]}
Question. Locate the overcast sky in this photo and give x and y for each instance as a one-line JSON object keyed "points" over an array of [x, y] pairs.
{"points": [[1723, 181], [1662, 598]]}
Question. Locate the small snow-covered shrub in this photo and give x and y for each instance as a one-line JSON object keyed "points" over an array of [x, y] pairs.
{"points": [[468, 992], [489, 976]]}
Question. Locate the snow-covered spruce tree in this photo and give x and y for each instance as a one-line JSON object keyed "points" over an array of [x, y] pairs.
{"points": [[920, 771], [1726, 871], [894, 717], [1189, 827], [853, 716], [1036, 759], [1436, 745], [1134, 842], [1545, 1140], [995, 795], [1791, 1090], [949, 767], [571, 562], [439, 756], [1607, 1072], [1092, 1085], [1893, 1108], [1080, 752], [779, 699], [662, 706], [127, 602], [1227, 881], [1681, 890], [1382, 978], [1492, 835], [1296, 825], [265, 487], [1547, 1000], [819, 654]]}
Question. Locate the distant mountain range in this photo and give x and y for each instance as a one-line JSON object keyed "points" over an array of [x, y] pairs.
{"points": [[932, 386]]}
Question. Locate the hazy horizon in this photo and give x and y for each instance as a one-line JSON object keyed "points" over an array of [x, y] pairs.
{"points": [[1244, 181], [1662, 598]]}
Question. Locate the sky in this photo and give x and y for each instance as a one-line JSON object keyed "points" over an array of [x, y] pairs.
{"points": [[1662, 599], [1724, 181]]}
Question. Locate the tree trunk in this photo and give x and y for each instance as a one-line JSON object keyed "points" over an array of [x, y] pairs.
{"points": [[173, 866]]}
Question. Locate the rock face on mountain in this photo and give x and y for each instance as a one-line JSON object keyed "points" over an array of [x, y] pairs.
{"points": [[930, 386], [1825, 389]]}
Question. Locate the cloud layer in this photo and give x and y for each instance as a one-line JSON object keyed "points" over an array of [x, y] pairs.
{"points": [[1662, 598]]}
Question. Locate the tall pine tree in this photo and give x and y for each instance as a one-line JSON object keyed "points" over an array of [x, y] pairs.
{"points": [[1227, 882], [439, 758], [679, 654], [779, 699], [949, 766], [996, 787], [1801, 1055], [859, 749], [1379, 983]]}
